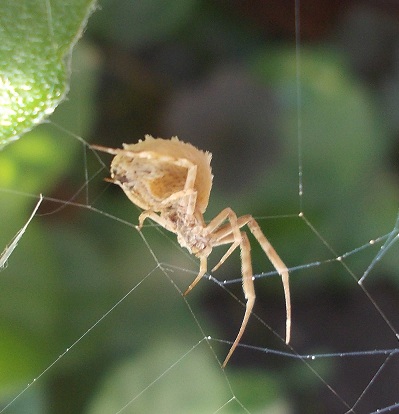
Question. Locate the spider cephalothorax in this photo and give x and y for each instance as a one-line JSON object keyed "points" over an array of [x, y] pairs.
{"points": [[171, 181]]}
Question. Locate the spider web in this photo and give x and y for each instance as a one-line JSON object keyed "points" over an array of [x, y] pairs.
{"points": [[119, 296]]}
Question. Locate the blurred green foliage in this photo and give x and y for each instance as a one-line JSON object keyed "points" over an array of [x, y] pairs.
{"points": [[135, 23]]}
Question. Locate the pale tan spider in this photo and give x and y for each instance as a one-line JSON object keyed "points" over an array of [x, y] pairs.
{"points": [[171, 181]]}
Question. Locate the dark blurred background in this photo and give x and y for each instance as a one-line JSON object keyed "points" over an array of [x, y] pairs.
{"points": [[223, 75]]}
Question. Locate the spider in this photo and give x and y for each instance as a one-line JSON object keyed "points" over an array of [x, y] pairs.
{"points": [[171, 181]]}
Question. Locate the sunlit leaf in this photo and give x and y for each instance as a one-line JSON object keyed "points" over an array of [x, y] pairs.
{"points": [[36, 38]]}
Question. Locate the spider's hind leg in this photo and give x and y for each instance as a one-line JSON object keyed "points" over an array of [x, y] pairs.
{"points": [[276, 262], [249, 291]]}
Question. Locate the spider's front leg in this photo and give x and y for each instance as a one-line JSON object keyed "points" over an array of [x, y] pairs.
{"points": [[154, 217]]}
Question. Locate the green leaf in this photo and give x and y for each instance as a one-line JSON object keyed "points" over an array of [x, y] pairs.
{"points": [[36, 39], [30, 283]]}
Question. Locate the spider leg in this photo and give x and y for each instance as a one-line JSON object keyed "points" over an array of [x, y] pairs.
{"points": [[188, 191], [188, 195], [276, 262], [165, 224], [232, 226], [182, 162], [232, 229], [228, 253], [202, 271], [229, 214], [156, 218], [224, 235], [248, 288], [190, 205], [230, 233], [220, 240], [112, 151]]}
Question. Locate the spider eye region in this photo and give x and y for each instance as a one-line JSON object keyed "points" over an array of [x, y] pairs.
{"points": [[119, 177]]}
